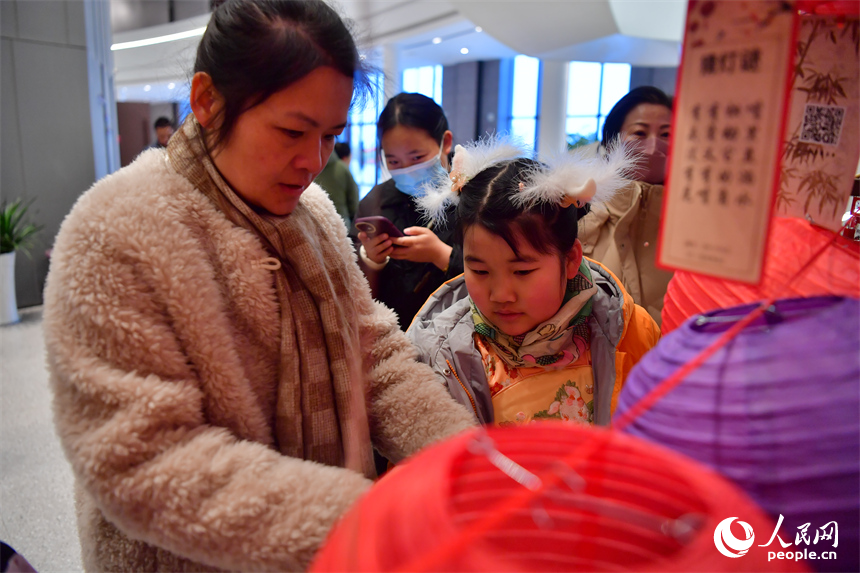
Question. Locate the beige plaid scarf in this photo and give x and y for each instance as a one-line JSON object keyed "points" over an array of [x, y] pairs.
{"points": [[321, 414]]}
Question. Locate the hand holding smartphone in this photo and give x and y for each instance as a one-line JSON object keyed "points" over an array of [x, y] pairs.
{"points": [[377, 225]]}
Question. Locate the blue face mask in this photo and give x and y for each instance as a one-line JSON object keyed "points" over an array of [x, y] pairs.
{"points": [[411, 180]]}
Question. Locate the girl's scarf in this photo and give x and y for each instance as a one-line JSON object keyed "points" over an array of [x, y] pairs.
{"points": [[320, 412], [553, 343]]}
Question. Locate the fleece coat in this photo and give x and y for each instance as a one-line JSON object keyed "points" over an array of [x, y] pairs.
{"points": [[161, 326]]}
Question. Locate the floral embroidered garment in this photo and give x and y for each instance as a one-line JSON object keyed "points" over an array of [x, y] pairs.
{"points": [[521, 395], [545, 373]]}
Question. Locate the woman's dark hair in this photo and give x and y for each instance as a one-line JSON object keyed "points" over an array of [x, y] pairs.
{"points": [[412, 110], [342, 149], [486, 200], [635, 97], [254, 48]]}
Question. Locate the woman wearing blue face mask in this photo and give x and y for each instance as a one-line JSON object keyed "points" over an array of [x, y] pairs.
{"points": [[415, 141]]}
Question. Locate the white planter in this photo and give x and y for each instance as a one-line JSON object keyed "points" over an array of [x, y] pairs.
{"points": [[8, 304]]}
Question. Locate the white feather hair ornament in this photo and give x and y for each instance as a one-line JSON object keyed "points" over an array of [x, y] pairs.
{"points": [[469, 160], [570, 178], [578, 177]]}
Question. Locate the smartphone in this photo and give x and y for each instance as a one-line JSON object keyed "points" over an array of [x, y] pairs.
{"points": [[377, 225]]}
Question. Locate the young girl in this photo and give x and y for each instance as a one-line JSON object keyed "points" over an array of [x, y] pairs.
{"points": [[532, 330], [415, 141]]}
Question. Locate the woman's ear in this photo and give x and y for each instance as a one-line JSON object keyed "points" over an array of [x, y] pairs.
{"points": [[206, 101], [447, 144], [574, 259]]}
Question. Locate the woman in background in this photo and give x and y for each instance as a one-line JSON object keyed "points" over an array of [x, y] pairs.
{"points": [[415, 141], [622, 233]]}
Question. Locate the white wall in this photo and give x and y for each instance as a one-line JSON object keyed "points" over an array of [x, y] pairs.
{"points": [[46, 150]]}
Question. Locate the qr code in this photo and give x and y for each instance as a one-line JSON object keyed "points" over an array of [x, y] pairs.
{"points": [[822, 124]]}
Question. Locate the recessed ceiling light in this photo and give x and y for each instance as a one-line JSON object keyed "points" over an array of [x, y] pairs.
{"points": [[437, 40], [478, 29], [158, 39], [147, 87], [464, 51], [171, 85]]}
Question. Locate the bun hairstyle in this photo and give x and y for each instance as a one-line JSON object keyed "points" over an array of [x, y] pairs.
{"points": [[254, 48]]}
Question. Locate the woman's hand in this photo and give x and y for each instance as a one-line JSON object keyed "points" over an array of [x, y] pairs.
{"points": [[377, 248], [421, 246]]}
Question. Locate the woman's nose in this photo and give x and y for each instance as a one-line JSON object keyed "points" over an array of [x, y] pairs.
{"points": [[311, 157], [649, 145]]}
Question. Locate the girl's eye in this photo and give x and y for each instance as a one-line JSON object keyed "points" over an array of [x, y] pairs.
{"points": [[292, 133], [418, 158], [329, 137], [477, 272], [524, 272]]}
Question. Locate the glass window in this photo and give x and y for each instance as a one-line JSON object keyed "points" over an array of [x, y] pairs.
{"points": [[361, 136], [583, 92], [593, 90], [581, 130], [524, 100], [426, 80], [616, 84]]}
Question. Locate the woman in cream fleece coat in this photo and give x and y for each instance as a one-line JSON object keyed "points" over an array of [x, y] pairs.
{"points": [[164, 326]]}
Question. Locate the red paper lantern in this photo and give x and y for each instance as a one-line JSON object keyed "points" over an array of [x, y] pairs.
{"points": [[549, 497], [791, 244]]}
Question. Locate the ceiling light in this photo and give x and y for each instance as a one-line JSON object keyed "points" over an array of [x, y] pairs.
{"points": [[158, 39], [464, 51], [437, 40], [171, 85], [478, 29], [147, 87]]}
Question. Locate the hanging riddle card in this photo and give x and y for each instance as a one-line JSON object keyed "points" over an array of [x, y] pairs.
{"points": [[727, 135], [822, 142]]}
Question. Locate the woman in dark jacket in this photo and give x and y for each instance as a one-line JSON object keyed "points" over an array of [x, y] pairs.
{"points": [[415, 141]]}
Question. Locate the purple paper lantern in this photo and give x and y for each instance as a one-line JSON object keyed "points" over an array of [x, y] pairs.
{"points": [[777, 411]]}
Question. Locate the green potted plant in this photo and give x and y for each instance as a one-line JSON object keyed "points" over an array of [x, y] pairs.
{"points": [[16, 234]]}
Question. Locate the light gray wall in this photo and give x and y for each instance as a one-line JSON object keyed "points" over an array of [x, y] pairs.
{"points": [[663, 78], [133, 14], [460, 100], [470, 98], [46, 146]]}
